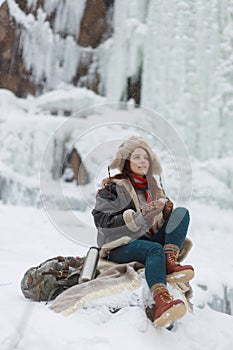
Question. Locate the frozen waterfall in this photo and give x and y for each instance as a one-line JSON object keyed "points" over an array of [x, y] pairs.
{"points": [[179, 53]]}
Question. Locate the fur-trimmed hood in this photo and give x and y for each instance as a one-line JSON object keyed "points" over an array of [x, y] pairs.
{"points": [[126, 149]]}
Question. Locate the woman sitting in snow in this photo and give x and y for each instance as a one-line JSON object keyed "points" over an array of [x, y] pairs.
{"points": [[136, 222]]}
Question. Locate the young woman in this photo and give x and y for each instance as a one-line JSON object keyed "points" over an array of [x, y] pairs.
{"points": [[136, 222]]}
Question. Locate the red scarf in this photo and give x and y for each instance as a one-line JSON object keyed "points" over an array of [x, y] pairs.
{"points": [[142, 185]]}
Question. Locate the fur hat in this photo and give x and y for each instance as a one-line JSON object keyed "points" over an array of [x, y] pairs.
{"points": [[126, 149]]}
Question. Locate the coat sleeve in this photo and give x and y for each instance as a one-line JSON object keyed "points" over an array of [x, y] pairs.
{"points": [[115, 215]]}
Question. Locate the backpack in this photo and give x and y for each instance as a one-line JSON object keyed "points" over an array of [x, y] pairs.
{"points": [[47, 280]]}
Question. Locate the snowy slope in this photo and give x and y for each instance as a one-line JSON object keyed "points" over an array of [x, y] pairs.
{"points": [[27, 238]]}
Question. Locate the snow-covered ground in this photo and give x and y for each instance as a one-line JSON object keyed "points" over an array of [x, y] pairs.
{"points": [[31, 141], [28, 238]]}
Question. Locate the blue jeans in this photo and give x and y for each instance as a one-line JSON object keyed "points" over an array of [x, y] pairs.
{"points": [[150, 252]]}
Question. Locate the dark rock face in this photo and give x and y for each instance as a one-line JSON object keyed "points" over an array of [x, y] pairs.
{"points": [[13, 75], [95, 28], [93, 25]]}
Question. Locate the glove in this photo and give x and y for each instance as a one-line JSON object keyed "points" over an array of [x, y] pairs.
{"points": [[167, 210], [152, 209]]}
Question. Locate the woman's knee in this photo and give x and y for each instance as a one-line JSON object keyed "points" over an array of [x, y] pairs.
{"points": [[179, 216], [183, 212]]}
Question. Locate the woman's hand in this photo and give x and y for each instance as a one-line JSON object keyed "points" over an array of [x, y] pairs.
{"points": [[152, 209], [167, 210]]}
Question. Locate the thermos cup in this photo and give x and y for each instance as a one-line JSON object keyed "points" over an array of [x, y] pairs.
{"points": [[90, 265]]}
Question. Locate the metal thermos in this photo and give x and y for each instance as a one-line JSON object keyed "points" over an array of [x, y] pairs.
{"points": [[90, 265]]}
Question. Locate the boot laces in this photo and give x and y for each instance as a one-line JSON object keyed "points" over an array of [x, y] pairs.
{"points": [[165, 296], [173, 258]]}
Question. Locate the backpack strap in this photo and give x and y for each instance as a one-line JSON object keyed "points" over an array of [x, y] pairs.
{"points": [[56, 273], [64, 273]]}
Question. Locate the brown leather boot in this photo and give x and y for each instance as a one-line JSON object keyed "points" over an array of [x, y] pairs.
{"points": [[167, 309], [175, 271]]}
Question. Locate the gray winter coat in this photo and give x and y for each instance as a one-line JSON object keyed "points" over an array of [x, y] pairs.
{"points": [[118, 217]]}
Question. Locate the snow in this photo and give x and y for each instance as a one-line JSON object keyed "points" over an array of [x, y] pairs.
{"points": [[28, 238], [32, 232]]}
